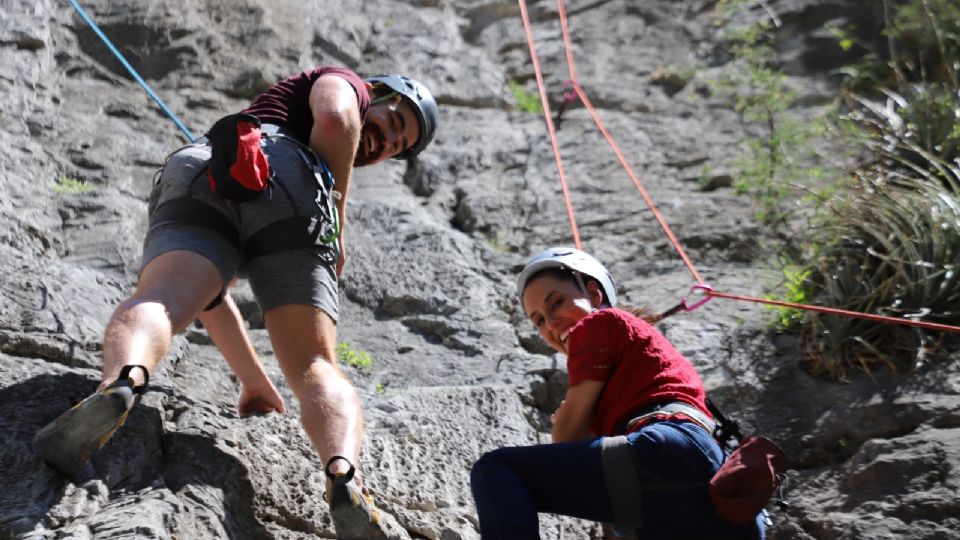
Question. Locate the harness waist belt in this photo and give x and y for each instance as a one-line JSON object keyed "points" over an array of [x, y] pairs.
{"points": [[197, 214], [287, 234], [276, 129], [671, 409]]}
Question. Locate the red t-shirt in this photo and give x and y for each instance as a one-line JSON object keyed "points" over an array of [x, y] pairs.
{"points": [[640, 367], [287, 103]]}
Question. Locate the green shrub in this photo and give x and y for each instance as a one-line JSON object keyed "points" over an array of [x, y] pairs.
{"points": [[892, 248], [778, 156], [358, 359], [796, 288], [926, 40], [890, 244]]}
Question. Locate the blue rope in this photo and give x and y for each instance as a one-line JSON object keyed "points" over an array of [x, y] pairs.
{"points": [[133, 72]]}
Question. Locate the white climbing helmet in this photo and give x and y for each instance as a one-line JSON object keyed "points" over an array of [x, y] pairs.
{"points": [[572, 259]]}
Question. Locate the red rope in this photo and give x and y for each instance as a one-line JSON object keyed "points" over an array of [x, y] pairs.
{"points": [[616, 149], [843, 312], [636, 182], [649, 200], [550, 128]]}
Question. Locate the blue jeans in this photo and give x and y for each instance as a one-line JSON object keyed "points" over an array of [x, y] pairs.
{"points": [[674, 462]]}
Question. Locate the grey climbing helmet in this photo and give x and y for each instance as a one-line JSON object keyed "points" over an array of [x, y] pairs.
{"points": [[424, 106], [571, 259]]}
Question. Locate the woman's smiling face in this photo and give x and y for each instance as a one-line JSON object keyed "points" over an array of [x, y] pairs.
{"points": [[554, 305]]}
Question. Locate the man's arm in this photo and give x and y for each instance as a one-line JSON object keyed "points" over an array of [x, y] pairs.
{"points": [[336, 132], [571, 422], [225, 327]]}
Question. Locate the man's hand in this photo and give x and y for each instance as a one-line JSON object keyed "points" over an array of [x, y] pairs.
{"points": [[260, 401]]}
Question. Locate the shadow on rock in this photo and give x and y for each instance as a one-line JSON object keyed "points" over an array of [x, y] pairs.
{"points": [[139, 456], [27, 487], [193, 460]]}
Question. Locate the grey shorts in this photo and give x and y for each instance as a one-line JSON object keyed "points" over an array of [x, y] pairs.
{"points": [[296, 276]]}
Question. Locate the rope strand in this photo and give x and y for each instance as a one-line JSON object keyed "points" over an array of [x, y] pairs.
{"points": [[132, 71], [550, 129]]}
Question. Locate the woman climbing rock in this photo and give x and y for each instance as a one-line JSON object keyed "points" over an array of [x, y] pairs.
{"points": [[632, 439]]}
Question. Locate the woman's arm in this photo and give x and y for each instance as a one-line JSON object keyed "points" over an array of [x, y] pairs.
{"points": [[571, 422], [225, 327]]}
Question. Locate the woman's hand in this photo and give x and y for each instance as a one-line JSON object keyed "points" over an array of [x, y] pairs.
{"points": [[553, 417], [571, 422], [260, 401]]}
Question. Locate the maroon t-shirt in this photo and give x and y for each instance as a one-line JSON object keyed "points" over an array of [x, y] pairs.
{"points": [[639, 366], [287, 103]]}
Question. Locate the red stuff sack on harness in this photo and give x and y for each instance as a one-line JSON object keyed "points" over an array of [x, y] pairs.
{"points": [[238, 168], [746, 481]]}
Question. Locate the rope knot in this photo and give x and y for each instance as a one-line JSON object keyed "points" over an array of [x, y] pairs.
{"points": [[569, 87]]}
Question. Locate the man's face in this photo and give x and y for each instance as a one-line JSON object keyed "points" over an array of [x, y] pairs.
{"points": [[390, 128]]}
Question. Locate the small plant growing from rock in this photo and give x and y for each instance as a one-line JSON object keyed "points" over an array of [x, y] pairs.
{"points": [[497, 242], [672, 78], [357, 359], [778, 148], [527, 101], [797, 290], [68, 185]]}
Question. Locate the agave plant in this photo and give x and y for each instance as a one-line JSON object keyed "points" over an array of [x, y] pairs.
{"points": [[892, 248], [924, 117]]}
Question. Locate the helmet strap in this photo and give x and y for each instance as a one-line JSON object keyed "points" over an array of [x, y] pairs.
{"points": [[386, 97], [583, 287], [580, 282]]}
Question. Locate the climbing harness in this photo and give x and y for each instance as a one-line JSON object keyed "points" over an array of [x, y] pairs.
{"points": [[325, 230], [753, 470], [670, 409], [296, 232]]}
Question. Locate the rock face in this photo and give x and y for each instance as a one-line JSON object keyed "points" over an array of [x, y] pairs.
{"points": [[433, 249]]}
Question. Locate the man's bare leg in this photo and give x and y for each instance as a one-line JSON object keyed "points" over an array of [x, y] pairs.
{"points": [[304, 339], [173, 289]]}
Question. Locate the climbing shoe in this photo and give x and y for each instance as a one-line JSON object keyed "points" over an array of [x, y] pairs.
{"points": [[68, 442], [354, 515]]}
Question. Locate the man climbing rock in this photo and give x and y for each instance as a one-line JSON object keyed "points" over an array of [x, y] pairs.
{"points": [[268, 205]]}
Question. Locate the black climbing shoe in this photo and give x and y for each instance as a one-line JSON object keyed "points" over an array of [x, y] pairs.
{"points": [[354, 515], [68, 442]]}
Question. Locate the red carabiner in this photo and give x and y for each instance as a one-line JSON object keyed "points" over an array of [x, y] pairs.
{"points": [[569, 92], [700, 288]]}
